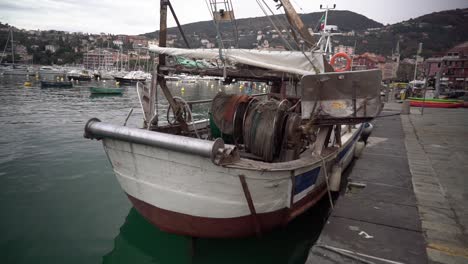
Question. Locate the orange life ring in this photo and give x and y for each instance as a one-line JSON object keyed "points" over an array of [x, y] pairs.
{"points": [[341, 55]]}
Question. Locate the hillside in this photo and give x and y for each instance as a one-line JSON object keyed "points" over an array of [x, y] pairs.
{"points": [[248, 27], [437, 31]]}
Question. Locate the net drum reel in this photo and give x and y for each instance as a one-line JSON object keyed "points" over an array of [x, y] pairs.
{"points": [[267, 129]]}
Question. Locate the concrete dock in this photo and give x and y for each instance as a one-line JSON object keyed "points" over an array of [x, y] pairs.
{"points": [[414, 206]]}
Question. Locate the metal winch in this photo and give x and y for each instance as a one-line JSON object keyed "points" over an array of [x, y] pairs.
{"points": [[269, 130]]}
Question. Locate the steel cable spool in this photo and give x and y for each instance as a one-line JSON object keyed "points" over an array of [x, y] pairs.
{"points": [[226, 109], [263, 128]]}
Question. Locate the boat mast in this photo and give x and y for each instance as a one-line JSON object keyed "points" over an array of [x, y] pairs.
{"points": [[325, 39], [159, 73], [12, 48]]}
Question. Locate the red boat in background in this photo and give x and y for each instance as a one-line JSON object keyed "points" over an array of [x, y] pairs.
{"points": [[436, 103]]}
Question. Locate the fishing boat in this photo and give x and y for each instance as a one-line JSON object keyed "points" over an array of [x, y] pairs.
{"points": [[259, 161], [56, 84], [435, 103], [105, 90]]}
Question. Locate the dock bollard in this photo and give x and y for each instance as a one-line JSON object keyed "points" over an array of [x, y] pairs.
{"points": [[405, 107]]}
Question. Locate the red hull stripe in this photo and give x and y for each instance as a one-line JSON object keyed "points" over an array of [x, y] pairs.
{"points": [[196, 226]]}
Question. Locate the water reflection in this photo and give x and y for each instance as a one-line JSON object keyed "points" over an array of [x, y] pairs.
{"points": [[64, 204], [97, 96], [141, 242]]}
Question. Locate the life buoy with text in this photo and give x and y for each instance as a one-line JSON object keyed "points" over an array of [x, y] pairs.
{"points": [[343, 55]]}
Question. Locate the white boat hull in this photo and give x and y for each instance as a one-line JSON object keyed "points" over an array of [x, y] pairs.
{"points": [[190, 195]]}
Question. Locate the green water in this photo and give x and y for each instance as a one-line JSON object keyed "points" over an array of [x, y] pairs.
{"points": [[60, 202]]}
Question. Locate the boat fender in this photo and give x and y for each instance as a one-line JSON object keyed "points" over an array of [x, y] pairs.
{"points": [[366, 131], [358, 148], [343, 55], [335, 179]]}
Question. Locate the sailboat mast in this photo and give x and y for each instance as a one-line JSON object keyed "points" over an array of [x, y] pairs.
{"points": [[12, 47]]}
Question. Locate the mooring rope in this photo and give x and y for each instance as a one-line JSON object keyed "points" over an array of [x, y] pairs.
{"points": [[324, 166]]}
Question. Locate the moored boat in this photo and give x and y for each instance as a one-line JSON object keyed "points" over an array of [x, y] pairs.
{"points": [[49, 70], [256, 164], [79, 75], [133, 77], [435, 103], [104, 90], [56, 84]]}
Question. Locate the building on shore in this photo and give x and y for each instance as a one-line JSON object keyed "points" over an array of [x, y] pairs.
{"points": [[367, 61], [453, 67], [51, 48], [99, 59], [346, 49], [388, 65]]}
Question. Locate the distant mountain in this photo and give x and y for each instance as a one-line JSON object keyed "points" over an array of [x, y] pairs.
{"points": [[248, 27], [437, 31]]}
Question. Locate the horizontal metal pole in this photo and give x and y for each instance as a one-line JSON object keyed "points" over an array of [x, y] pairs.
{"points": [[95, 129], [210, 100]]}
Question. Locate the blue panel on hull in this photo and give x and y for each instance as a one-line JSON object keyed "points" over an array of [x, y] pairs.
{"points": [[344, 151], [305, 180]]}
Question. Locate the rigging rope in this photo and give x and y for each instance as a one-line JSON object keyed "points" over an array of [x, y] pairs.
{"points": [[281, 23], [274, 25], [236, 32], [324, 166]]}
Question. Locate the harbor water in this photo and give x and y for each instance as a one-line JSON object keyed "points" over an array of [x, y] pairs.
{"points": [[60, 202]]}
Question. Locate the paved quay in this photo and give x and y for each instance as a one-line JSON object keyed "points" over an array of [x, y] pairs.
{"points": [[413, 208], [437, 144]]}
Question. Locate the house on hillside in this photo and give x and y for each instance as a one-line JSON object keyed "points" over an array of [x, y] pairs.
{"points": [[367, 61], [346, 49], [51, 48], [453, 67]]}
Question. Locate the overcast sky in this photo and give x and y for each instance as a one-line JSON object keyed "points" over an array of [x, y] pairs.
{"points": [[142, 16]]}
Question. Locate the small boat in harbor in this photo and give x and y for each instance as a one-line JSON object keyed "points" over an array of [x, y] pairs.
{"points": [[56, 84], [435, 103], [133, 77], [49, 70], [105, 90], [260, 160], [79, 75], [103, 75]]}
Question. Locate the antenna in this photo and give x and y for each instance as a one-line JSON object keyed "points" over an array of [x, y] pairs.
{"points": [[326, 8], [325, 42]]}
